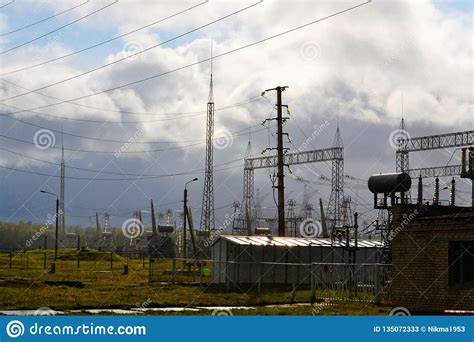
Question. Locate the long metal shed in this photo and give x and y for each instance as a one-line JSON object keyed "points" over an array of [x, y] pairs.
{"points": [[248, 260]]}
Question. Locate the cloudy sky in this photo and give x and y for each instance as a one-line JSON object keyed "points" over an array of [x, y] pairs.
{"points": [[127, 83]]}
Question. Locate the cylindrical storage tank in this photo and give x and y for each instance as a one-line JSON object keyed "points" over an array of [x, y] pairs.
{"points": [[389, 182]]}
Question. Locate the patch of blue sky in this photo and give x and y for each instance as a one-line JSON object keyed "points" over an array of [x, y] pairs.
{"points": [[454, 5]]}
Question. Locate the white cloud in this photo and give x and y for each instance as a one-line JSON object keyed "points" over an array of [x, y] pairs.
{"points": [[362, 62]]}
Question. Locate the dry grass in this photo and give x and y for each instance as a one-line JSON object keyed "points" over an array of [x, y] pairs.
{"points": [[22, 288]]}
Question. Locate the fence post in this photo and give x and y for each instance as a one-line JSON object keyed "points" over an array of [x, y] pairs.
{"points": [[53, 268], [226, 275], [173, 274], [312, 300], [143, 260], [10, 259], [125, 269], [200, 272], [377, 284], [150, 270], [78, 261]]}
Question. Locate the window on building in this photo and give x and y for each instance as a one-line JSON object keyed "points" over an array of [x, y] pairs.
{"points": [[461, 262]]}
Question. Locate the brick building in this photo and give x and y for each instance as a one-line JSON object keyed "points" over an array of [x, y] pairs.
{"points": [[433, 258]]}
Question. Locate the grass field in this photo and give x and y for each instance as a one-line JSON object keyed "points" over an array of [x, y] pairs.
{"points": [[99, 283]]}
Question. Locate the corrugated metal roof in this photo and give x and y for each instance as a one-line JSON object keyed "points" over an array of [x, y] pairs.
{"points": [[294, 241]]}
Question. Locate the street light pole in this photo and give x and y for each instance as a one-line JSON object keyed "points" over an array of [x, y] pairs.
{"points": [[57, 222], [57, 228], [185, 215]]}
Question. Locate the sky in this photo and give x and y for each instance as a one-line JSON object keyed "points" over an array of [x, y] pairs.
{"points": [[362, 70]]}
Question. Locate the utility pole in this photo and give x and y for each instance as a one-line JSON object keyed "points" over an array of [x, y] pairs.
{"points": [[280, 162], [153, 219], [62, 208], [56, 233], [185, 216], [57, 222]]}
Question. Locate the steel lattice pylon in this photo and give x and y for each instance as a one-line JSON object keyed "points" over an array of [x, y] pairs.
{"points": [[207, 209], [337, 184], [248, 200], [334, 154], [427, 143], [402, 160]]}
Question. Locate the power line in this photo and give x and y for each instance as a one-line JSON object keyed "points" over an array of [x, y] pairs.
{"points": [[181, 115], [59, 28], [133, 54], [192, 64], [100, 171], [110, 179], [43, 20], [121, 141], [9, 3], [103, 42], [127, 152]]}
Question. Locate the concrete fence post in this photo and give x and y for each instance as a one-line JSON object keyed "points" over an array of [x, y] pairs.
{"points": [[377, 287]]}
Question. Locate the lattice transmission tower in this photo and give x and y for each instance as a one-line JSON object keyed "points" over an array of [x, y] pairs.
{"points": [[207, 209], [337, 183]]}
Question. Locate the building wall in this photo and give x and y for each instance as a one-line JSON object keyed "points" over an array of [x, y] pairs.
{"points": [[420, 257], [235, 264]]}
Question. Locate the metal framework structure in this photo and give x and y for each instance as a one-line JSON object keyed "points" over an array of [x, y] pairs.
{"points": [[207, 208], [248, 201], [402, 159], [337, 184], [431, 142], [334, 154]]}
